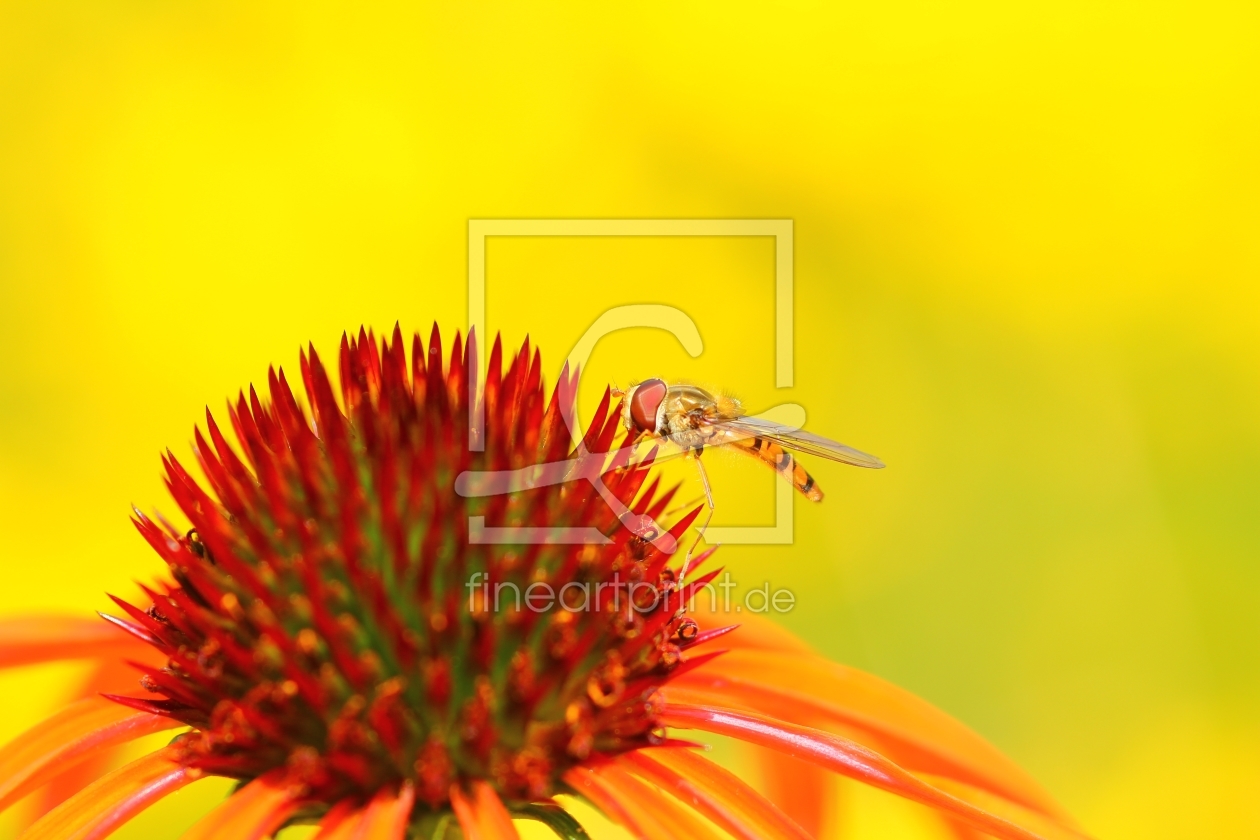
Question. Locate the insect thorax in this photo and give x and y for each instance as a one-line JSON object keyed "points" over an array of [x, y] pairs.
{"points": [[687, 412]]}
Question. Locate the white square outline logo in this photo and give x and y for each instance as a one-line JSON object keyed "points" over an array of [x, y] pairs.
{"points": [[780, 229]]}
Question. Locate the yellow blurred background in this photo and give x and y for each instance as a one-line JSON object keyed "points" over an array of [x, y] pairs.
{"points": [[1027, 276]]}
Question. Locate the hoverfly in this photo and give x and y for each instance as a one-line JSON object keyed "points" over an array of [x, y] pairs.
{"points": [[691, 418]]}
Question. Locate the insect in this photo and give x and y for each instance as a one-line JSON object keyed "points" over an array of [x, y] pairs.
{"points": [[692, 418]]}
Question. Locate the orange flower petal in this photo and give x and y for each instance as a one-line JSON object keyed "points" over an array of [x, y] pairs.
{"points": [[464, 814], [341, 823], [108, 676], [717, 793], [61, 742], [253, 812], [842, 756], [796, 787], [482, 817], [109, 802], [618, 804], [962, 831], [387, 814], [493, 816], [910, 751], [671, 817], [43, 638], [67, 784], [915, 732], [1039, 823]]}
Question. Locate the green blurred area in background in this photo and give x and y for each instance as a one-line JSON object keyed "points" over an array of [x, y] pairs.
{"points": [[1026, 275]]}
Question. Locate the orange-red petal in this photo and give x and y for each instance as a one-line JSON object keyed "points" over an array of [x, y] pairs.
{"points": [[481, 814], [25, 640], [100, 808], [494, 817], [108, 676], [717, 793], [463, 809], [341, 823], [58, 744], [667, 816], [799, 788], [386, 816], [253, 812], [617, 804], [842, 756], [805, 687], [910, 751], [1039, 823], [961, 831]]}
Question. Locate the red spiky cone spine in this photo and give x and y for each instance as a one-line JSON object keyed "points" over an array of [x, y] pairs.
{"points": [[319, 616]]}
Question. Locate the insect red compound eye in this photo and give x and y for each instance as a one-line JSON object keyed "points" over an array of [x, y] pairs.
{"points": [[644, 403]]}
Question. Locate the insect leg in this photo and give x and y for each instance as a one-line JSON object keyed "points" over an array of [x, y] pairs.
{"points": [[708, 495]]}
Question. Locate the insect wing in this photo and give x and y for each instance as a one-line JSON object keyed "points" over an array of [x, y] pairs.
{"points": [[798, 440]]}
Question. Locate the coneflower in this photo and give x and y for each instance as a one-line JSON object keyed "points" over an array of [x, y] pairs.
{"points": [[335, 636]]}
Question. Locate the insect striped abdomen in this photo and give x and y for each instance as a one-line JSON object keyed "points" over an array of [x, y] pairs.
{"points": [[782, 462]]}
